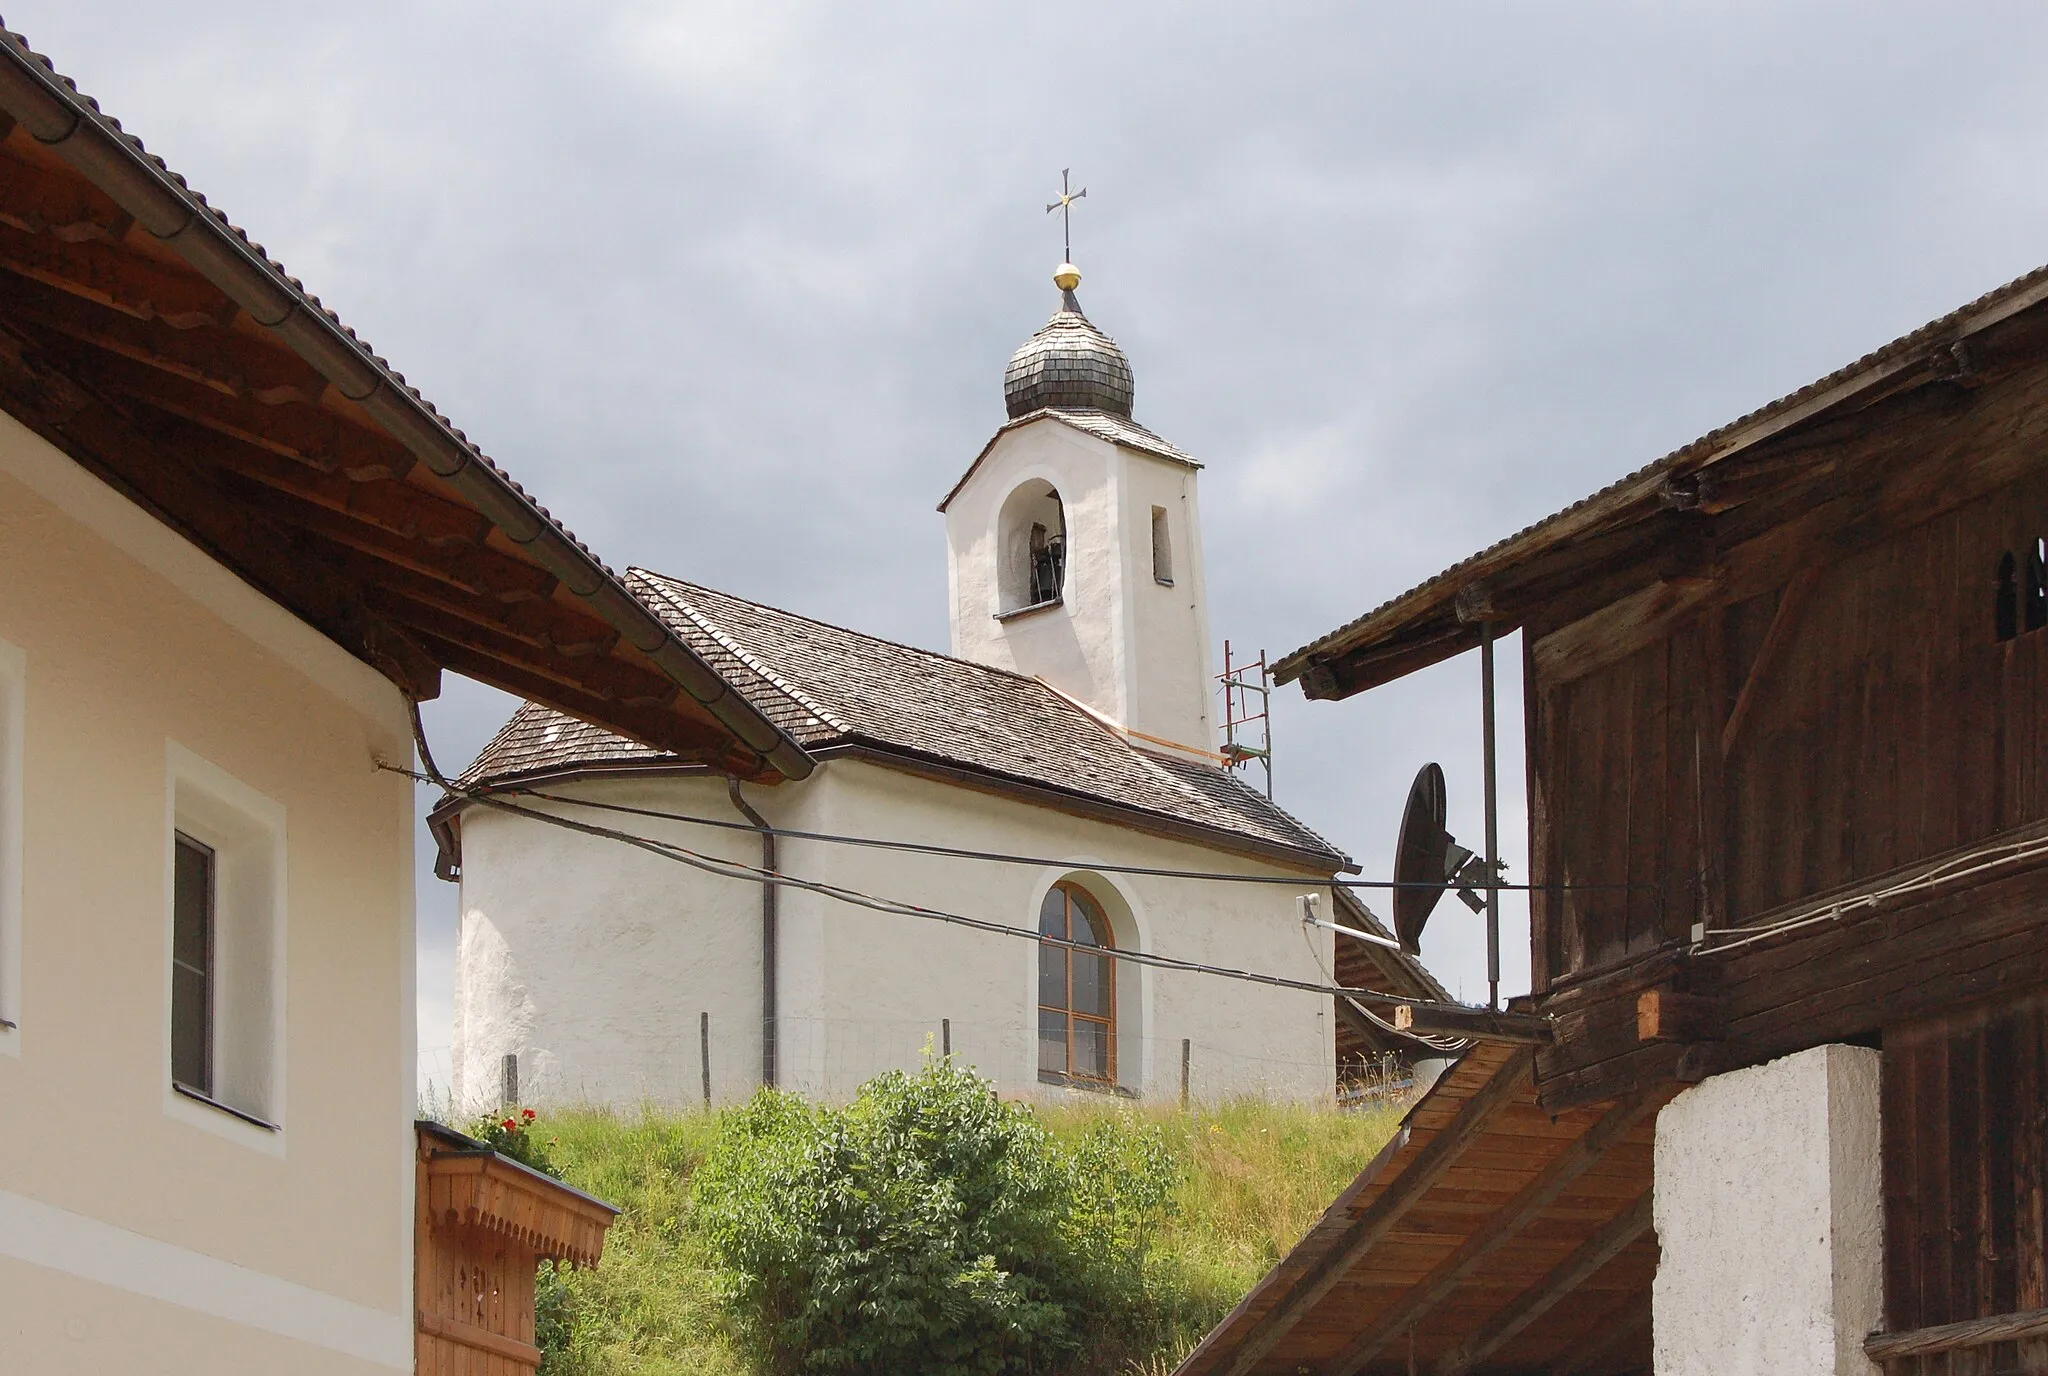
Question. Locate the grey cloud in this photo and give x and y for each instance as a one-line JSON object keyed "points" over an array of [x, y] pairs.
{"points": [[731, 286]]}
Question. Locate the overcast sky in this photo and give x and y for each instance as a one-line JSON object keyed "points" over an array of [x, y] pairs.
{"points": [[731, 287]]}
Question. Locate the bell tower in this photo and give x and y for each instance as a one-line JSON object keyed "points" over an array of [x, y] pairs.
{"points": [[1074, 541]]}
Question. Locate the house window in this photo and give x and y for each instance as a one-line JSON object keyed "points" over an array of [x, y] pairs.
{"points": [[1076, 990], [13, 681], [224, 985], [192, 890], [1031, 548], [1162, 548]]}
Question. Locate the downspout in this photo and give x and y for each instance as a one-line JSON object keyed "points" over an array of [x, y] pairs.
{"points": [[768, 932]]}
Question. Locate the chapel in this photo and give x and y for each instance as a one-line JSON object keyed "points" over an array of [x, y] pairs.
{"points": [[1056, 774]]}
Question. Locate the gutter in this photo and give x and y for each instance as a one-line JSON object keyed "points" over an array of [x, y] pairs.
{"points": [[769, 933], [62, 119]]}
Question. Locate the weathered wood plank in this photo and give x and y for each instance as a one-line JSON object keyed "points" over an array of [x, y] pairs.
{"points": [[1400, 1194]]}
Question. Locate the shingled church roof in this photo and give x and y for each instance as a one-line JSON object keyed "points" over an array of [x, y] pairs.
{"points": [[837, 691]]}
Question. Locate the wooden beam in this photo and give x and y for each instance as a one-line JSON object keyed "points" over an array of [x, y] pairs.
{"points": [[1784, 621], [479, 569], [601, 676], [1615, 1336], [691, 739], [1665, 1015], [322, 437], [1497, 1227], [543, 621], [1479, 1024], [273, 557], [1955, 1337], [1380, 1217], [117, 277], [396, 507], [1560, 1283], [229, 362]]}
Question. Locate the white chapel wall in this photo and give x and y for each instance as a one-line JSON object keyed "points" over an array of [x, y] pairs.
{"points": [[608, 956], [595, 963], [135, 1235]]}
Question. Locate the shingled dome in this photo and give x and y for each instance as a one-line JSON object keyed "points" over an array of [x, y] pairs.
{"points": [[1069, 364]]}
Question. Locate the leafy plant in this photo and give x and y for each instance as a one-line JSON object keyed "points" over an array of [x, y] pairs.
{"points": [[513, 1136], [927, 1227]]}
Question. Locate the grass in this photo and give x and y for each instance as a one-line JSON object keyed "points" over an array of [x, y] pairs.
{"points": [[1254, 1176]]}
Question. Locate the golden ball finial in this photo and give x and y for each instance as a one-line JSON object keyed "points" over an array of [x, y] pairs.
{"points": [[1066, 277]]}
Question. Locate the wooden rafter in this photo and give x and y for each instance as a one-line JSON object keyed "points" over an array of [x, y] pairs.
{"points": [[1562, 1281], [1499, 1226], [1386, 1212], [272, 555]]}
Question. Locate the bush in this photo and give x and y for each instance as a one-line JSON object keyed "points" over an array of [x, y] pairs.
{"points": [[927, 1227]]}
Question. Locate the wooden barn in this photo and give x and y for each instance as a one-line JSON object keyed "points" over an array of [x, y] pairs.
{"points": [[1779, 1100]]}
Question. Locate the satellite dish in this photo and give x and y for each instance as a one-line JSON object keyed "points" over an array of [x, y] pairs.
{"points": [[1426, 858]]}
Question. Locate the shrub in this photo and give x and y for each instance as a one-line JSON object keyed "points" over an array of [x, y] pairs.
{"points": [[926, 1227]]}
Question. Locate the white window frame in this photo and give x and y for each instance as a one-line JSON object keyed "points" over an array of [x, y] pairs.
{"points": [[13, 715], [246, 831]]}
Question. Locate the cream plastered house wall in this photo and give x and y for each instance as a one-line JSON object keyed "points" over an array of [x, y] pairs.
{"points": [[139, 1230], [593, 961], [1131, 649]]}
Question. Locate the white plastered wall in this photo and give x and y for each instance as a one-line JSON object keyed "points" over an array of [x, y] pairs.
{"points": [[131, 1237], [1130, 648], [600, 959], [1769, 1215]]}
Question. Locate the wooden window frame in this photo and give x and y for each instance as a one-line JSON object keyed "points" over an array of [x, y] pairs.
{"points": [[202, 1085], [13, 696], [1107, 937]]}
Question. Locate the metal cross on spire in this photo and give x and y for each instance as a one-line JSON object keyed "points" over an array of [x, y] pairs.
{"points": [[1065, 206]]}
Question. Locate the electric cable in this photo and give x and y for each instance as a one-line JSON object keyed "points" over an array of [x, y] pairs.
{"points": [[993, 857], [855, 897], [1972, 862]]}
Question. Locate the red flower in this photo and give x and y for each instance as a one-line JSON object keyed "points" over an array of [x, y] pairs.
{"points": [[510, 1126], [528, 1114]]}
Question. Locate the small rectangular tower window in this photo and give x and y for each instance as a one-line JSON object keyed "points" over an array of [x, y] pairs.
{"points": [[192, 889], [1162, 549]]}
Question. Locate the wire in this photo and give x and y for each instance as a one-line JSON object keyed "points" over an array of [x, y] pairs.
{"points": [[994, 857], [1971, 862], [733, 870]]}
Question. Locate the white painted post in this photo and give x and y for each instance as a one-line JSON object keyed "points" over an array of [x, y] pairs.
{"points": [[1769, 1215]]}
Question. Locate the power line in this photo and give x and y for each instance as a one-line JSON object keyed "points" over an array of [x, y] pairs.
{"points": [[855, 897], [992, 857]]}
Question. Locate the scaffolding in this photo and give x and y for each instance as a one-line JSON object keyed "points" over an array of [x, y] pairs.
{"points": [[1240, 745]]}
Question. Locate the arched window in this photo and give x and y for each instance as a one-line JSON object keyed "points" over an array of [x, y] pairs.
{"points": [[1076, 990], [1032, 546]]}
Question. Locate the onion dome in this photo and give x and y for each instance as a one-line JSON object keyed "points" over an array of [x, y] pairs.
{"points": [[1069, 364]]}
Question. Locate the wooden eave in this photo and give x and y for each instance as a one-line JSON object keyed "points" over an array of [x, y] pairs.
{"points": [[1655, 545], [471, 1186], [149, 340], [1489, 1236], [1944, 933]]}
